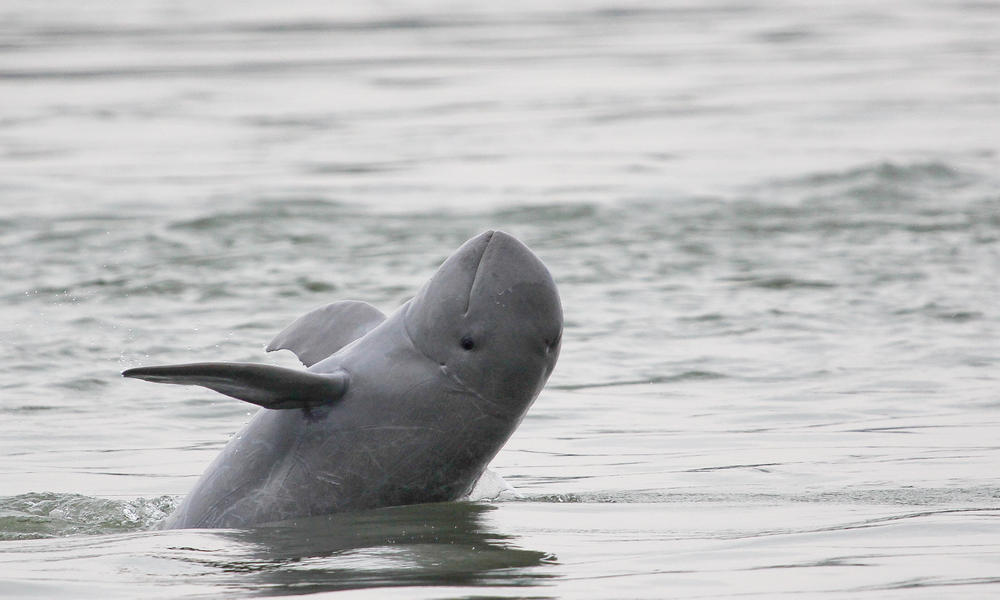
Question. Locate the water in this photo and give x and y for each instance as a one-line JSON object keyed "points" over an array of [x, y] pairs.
{"points": [[775, 228]]}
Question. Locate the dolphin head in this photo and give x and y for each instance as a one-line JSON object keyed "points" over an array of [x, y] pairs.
{"points": [[491, 318]]}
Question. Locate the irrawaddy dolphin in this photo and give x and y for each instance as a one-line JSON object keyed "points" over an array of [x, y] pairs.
{"points": [[393, 410]]}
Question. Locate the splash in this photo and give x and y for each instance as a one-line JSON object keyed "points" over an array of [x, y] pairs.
{"points": [[48, 514]]}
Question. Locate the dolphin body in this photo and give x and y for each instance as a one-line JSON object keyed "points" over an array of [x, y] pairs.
{"points": [[390, 411]]}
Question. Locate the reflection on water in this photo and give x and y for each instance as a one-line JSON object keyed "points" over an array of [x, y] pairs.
{"points": [[441, 545], [453, 545]]}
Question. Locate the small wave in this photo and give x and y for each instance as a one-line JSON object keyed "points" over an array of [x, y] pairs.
{"points": [[971, 498], [314, 285], [944, 313], [546, 213], [783, 282], [82, 384], [685, 376], [49, 514], [27, 408], [602, 498], [351, 168], [886, 185], [888, 172]]}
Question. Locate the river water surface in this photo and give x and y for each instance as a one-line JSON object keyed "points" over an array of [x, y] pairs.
{"points": [[775, 227]]}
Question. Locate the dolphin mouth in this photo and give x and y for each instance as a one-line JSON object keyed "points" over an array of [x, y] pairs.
{"points": [[479, 267]]}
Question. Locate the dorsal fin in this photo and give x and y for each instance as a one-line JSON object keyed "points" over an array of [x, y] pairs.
{"points": [[264, 385], [320, 333]]}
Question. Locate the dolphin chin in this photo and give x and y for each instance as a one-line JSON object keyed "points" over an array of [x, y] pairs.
{"points": [[392, 410]]}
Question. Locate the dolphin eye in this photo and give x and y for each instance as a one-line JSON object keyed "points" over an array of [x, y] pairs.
{"points": [[467, 343]]}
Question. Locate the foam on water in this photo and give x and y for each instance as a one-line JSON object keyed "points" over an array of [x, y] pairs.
{"points": [[47, 514]]}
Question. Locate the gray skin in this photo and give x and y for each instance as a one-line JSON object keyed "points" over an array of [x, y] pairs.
{"points": [[399, 410]]}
